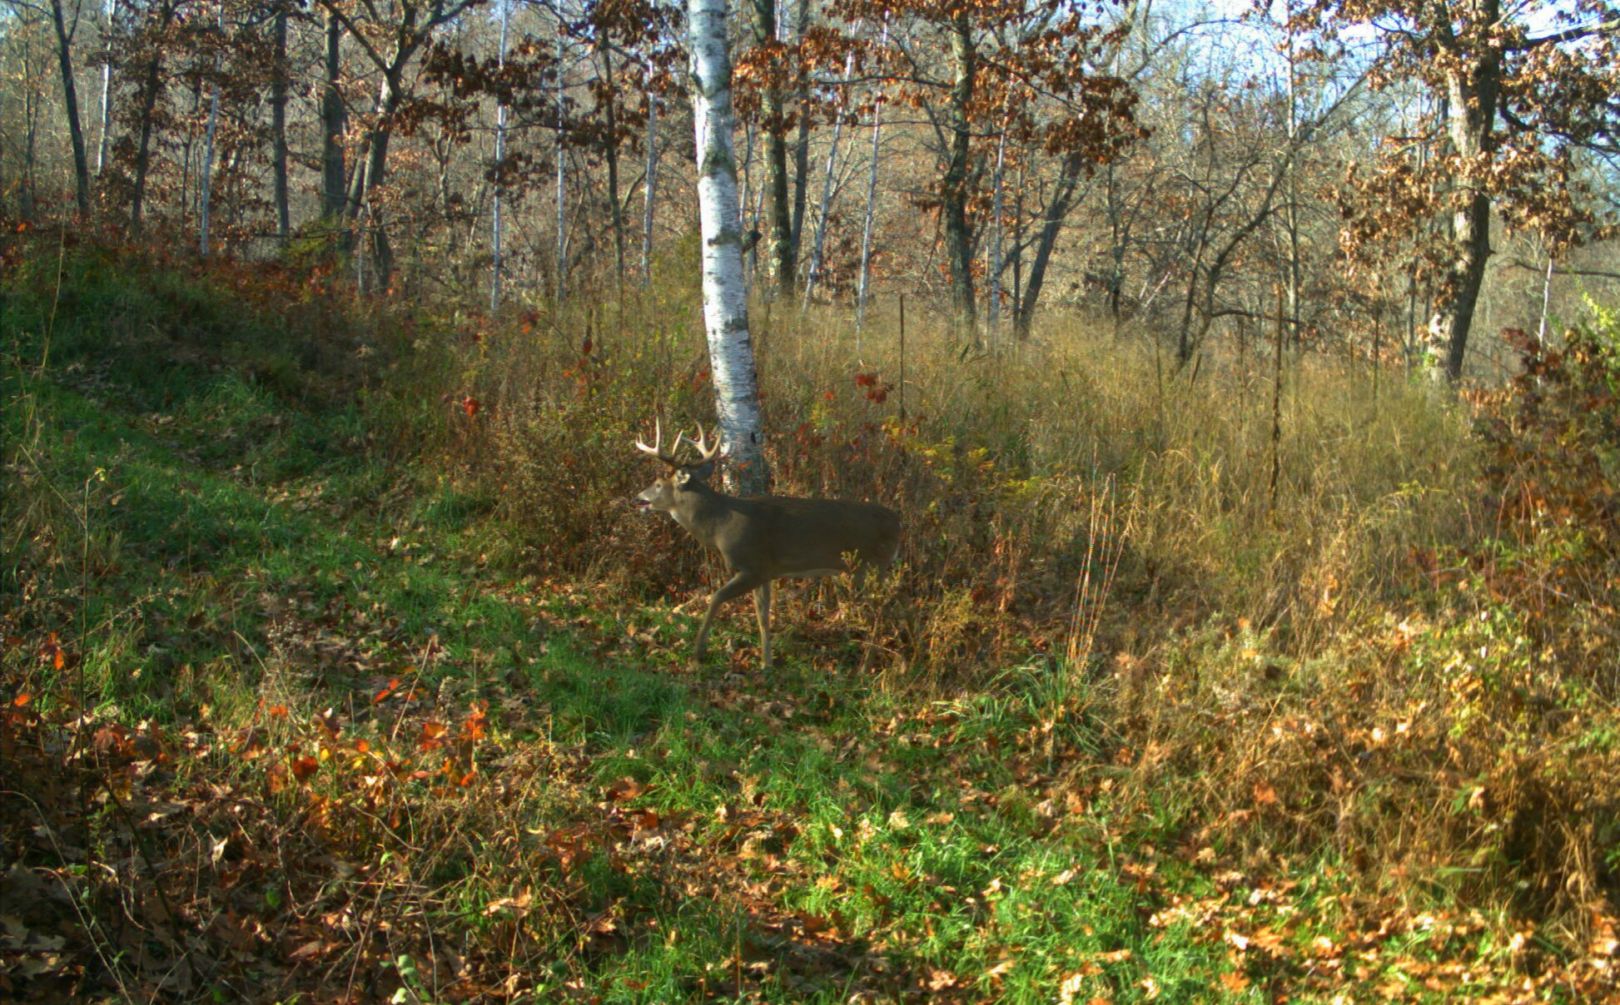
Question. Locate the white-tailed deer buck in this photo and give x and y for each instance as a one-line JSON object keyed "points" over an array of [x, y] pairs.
{"points": [[763, 538]]}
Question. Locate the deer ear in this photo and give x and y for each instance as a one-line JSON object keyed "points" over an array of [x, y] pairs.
{"points": [[681, 477]]}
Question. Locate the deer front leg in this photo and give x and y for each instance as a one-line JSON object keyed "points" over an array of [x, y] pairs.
{"points": [[739, 584]]}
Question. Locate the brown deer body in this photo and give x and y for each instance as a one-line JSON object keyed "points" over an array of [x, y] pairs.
{"points": [[765, 538]]}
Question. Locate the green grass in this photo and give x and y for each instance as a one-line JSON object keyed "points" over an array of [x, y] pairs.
{"points": [[235, 557], [212, 515]]}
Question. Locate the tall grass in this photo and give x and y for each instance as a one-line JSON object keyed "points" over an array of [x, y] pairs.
{"points": [[1285, 658], [995, 465]]}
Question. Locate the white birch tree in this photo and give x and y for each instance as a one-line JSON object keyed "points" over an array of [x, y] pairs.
{"points": [[207, 180], [495, 235], [650, 182], [725, 300], [827, 179]]}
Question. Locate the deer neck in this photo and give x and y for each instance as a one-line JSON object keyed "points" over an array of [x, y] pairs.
{"points": [[700, 509]]}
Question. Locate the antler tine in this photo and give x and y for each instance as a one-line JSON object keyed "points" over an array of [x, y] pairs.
{"points": [[702, 445], [657, 448]]}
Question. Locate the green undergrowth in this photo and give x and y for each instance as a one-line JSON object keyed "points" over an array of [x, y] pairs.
{"points": [[300, 707]]}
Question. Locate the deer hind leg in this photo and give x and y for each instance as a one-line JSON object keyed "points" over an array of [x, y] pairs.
{"points": [[739, 584], [762, 610]]}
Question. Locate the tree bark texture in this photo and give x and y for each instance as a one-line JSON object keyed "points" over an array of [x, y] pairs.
{"points": [[332, 123], [1057, 208], [780, 213], [801, 145], [650, 184], [495, 221], [143, 146], [103, 142], [813, 273], [70, 100], [863, 289], [1473, 94], [954, 185], [278, 124], [610, 153], [725, 300]]}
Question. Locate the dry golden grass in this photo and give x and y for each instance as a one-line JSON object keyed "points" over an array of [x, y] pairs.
{"points": [[1286, 662]]}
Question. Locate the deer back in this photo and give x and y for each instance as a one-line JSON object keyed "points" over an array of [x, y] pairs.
{"points": [[780, 536], [783, 536]]}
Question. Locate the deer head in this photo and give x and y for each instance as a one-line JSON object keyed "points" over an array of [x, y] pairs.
{"points": [[664, 494]]}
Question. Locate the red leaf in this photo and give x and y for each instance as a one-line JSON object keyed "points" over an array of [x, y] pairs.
{"points": [[432, 735], [624, 789]]}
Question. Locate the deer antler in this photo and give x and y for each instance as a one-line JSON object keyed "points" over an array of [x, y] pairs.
{"points": [[702, 445], [657, 448]]}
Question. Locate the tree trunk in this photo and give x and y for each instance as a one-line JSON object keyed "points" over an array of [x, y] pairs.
{"points": [[1470, 126], [562, 174], [143, 146], [610, 153], [1051, 223], [27, 188], [993, 311], [801, 145], [1018, 245], [102, 143], [725, 300], [366, 181], [819, 243], [1118, 234], [495, 262], [863, 289], [278, 124], [781, 255], [954, 184], [332, 123], [650, 183], [70, 100], [206, 180]]}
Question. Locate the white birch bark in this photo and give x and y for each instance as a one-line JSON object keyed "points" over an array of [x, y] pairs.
{"points": [[819, 243], [562, 177], [725, 300], [1546, 303], [996, 237], [651, 182], [109, 11], [205, 196], [495, 262], [862, 289]]}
